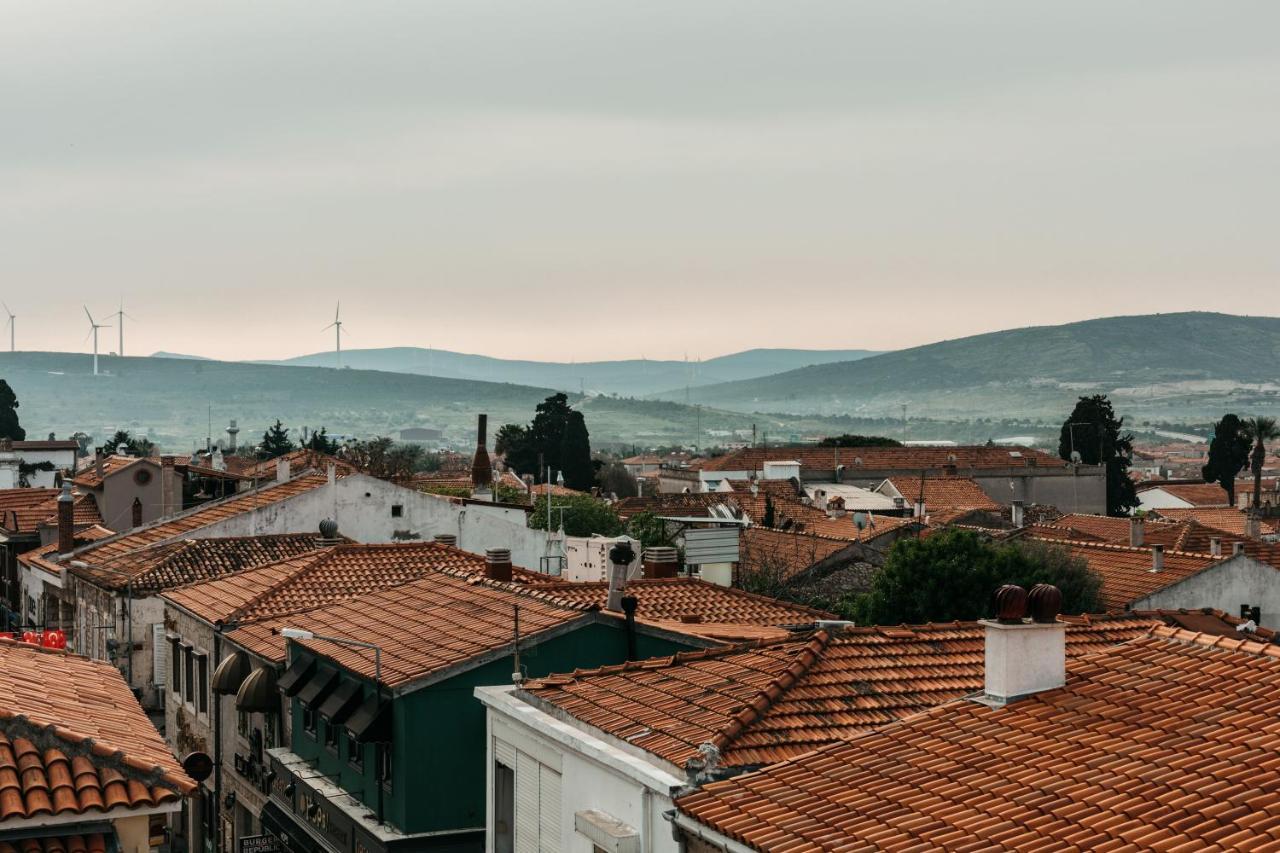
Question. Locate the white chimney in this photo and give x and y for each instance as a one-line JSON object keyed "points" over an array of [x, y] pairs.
{"points": [[920, 509], [1215, 546], [282, 470], [619, 567], [1135, 532], [1252, 526], [1024, 657], [1018, 514], [1157, 558]]}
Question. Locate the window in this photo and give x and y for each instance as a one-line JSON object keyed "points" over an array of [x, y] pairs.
{"points": [[331, 736], [202, 700], [384, 764], [355, 752], [242, 724], [175, 666], [504, 808], [309, 720], [537, 804], [269, 731], [189, 675], [397, 510]]}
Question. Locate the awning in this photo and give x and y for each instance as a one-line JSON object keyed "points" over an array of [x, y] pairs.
{"points": [[277, 822], [371, 723], [231, 673], [342, 702], [296, 676], [259, 692], [315, 690]]}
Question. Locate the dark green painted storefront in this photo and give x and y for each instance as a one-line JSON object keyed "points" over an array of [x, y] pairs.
{"points": [[438, 731]]}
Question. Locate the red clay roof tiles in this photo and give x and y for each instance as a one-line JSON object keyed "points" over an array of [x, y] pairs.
{"points": [[73, 739], [1168, 742], [942, 492], [93, 842], [873, 459]]}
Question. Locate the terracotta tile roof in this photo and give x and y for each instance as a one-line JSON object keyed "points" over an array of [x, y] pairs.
{"points": [[682, 598], [1196, 494], [1226, 519], [43, 557], [941, 492], [788, 554], [22, 509], [88, 477], [423, 626], [681, 503], [48, 444], [201, 516], [299, 461], [777, 488], [1126, 572], [883, 458], [186, 561], [318, 578], [73, 739], [1104, 527], [769, 702], [1167, 742], [93, 842]]}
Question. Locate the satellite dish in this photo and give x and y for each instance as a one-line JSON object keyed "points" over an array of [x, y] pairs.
{"points": [[1075, 457], [860, 520]]}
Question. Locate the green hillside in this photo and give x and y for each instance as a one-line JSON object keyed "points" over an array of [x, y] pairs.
{"points": [[1162, 363]]}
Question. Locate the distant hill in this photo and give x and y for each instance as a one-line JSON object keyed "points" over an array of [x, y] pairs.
{"points": [[163, 354], [1171, 365], [627, 377], [173, 400]]}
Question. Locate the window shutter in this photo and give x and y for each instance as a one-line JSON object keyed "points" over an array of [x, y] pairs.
{"points": [[157, 654], [548, 810], [175, 666], [527, 818], [202, 700], [504, 753]]}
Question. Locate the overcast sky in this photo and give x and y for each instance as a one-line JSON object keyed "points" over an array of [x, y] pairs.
{"points": [[552, 179]]}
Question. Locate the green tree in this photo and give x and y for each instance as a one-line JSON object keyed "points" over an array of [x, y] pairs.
{"points": [[650, 530], [1259, 430], [769, 513], [583, 515], [124, 441], [851, 440], [320, 442], [575, 454], [953, 575], [10, 428], [512, 443], [1094, 431], [1228, 455], [275, 442], [614, 478], [382, 458]]}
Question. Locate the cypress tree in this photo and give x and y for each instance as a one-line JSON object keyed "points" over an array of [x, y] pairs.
{"points": [[9, 426], [575, 453]]}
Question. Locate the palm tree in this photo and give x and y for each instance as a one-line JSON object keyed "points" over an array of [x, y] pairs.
{"points": [[1259, 430]]}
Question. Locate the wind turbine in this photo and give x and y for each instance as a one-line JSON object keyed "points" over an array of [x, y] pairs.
{"points": [[336, 325], [120, 318], [12, 317], [93, 330]]}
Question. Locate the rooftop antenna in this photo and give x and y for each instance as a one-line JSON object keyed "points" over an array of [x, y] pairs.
{"points": [[93, 330], [120, 318], [336, 325], [12, 317]]}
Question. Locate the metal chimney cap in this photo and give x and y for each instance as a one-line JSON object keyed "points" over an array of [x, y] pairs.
{"points": [[329, 528], [497, 555]]}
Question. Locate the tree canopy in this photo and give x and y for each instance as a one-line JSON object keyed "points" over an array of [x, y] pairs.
{"points": [[1228, 455], [320, 442], [852, 440], [10, 428], [1259, 430], [583, 515], [615, 479], [1094, 432], [275, 441], [385, 459], [123, 441], [557, 436], [954, 575]]}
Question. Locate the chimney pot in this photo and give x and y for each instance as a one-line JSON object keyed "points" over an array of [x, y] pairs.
{"points": [[620, 558], [497, 564], [1136, 528], [1024, 658], [1157, 558], [661, 562], [447, 539]]}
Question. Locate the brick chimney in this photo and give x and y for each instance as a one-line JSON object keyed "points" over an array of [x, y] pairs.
{"points": [[66, 520], [1136, 529], [481, 467], [1024, 656], [661, 562], [1157, 558], [497, 564]]}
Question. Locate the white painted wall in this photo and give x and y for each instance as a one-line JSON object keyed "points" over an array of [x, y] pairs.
{"points": [[595, 774], [1149, 499], [63, 460], [1227, 585], [364, 509]]}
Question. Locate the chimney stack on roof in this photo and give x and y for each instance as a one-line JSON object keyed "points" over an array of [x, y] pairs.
{"points": [[1136, 529], [282, 470], [481, 467], [497, 564], [1237, 548], [97, 462], [920, 509], [66, 520], [661, 562], [1157, 558], [620, 558], [1024, 656], [1215, 546], [447, 539], [1018, 514], [1252, 525]]}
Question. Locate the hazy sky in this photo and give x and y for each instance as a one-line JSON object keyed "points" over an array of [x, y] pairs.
{"points": [[590, 179]]}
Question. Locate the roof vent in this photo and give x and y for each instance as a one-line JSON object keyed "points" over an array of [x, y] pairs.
{"points": [[447, 539], [497, 564], [328, 529]]}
